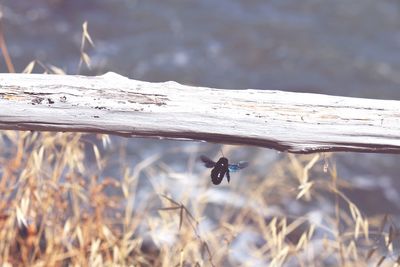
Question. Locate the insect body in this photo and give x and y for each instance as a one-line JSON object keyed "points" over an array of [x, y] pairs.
{"points": [[222, 167]]}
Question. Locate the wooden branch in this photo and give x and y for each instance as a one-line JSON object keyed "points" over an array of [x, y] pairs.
{"points": [[294, 122]]}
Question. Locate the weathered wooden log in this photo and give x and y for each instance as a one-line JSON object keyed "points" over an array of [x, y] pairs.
{"points": [[113, 104]]}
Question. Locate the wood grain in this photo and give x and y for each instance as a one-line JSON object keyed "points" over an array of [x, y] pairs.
{"points": [[293, 122]]}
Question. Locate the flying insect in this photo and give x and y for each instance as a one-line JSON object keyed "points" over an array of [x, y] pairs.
{"points": [[222, 168]]}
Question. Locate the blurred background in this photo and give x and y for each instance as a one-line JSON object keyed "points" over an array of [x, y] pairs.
{"points": [[341, 47]]}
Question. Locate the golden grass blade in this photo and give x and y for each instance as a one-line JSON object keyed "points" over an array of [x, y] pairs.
{"points": [[86, 33], [86, 59], [366, 229], [4, 50], [29, 68], [308, 167], [304, 189], [181, 258], [97, 156], [57, 70], [21, 219]]}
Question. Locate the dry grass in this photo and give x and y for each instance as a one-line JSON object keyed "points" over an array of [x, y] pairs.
{"points": [[58, 208]]}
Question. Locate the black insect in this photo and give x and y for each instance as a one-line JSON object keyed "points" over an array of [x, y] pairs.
{"points": [[222, 167]]}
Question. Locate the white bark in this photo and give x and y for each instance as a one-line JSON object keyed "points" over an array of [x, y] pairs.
{"points": [[294, 122]]}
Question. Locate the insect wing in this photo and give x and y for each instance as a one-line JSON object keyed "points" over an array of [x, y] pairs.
{"points": [[238, 166], [207, 162], [243, 164]]}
